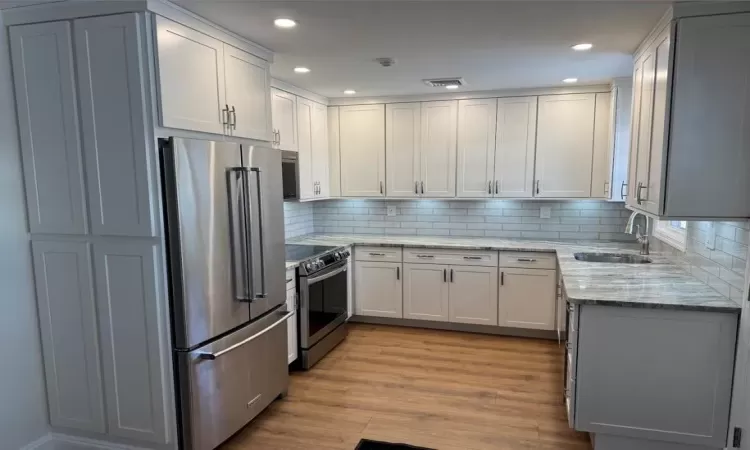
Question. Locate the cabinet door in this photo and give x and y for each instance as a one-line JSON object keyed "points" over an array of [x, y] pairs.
{"points": [[527, 298], [643, 138], [378, 289], [438, 149], [515, 147], [426, 292], [118, 151], [476, 148], [402, 136], [304, 115], [320, 150], [473, 294], [248, 94], [191, 78], [565, 145], [622, 129], [48, 127], [334, 155], [656, 161], [284, 113], [635, 125], [70, 343], [362, 147], [129, 304], [601, 172], [291, 336]]}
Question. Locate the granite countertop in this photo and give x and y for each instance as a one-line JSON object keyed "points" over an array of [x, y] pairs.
{"points": [[660, 284]]}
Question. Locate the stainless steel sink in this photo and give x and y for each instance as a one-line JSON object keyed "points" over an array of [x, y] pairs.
{"points": [[615, 258]]}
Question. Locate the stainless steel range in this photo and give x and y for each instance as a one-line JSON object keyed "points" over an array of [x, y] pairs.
{"points": [[323, 292]]}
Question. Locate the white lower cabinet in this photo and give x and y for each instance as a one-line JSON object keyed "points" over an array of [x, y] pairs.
{"points": [[378, 289], [473, 295], [426, 292], [291, 323], [527, 298]]}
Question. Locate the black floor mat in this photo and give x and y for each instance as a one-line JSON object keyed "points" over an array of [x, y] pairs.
{"points": [[366, 444]]}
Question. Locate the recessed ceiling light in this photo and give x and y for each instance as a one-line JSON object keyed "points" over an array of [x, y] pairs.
{"points": [[582, 47], [452, 86], [283, 22], [301, 69], [570, 80], [350, 92]]}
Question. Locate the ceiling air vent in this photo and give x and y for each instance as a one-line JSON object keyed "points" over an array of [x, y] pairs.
{"points": [[443, 82]]}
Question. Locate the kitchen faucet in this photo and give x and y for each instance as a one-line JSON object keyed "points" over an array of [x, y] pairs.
{"points": [[641, 238]]}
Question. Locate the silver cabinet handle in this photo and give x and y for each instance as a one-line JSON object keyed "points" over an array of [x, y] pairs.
{"points": [[381, 188], [422, 184], [426, 256], [638, 190], [472, 258], [525, 259], [377, 254], [398, 273], [212, 356], [416, 187], [451, 275], [623, 191], [225, 115], [497, 187], [233, 118], [537, 187], [489, 187], [606, 188], [445, 275], [502, 278], [289, 280]]}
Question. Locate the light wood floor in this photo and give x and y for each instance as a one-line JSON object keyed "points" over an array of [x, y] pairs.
{"points": [[439, 389]]}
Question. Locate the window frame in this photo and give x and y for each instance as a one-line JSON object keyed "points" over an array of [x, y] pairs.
{"points": [[673, 236]]}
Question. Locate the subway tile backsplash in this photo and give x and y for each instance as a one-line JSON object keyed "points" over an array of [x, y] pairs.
{"points": [[298, 219], [570, 220]]}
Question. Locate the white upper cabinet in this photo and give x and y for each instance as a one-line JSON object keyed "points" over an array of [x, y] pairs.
{"points": [[304, 135], [601, 173], [623, 93], [438, 148], [191, 78], [284, 112], [362, 147], [565, 145], [118, 151], [476, 148], [320, 158], [515, 147], [48, 125], [334, 154], [473, 295], [247, 94], [402, 149]]}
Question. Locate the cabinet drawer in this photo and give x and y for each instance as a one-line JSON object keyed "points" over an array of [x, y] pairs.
{"points": [[291, 300], [448, 256], [291, 279], [389, 254], [531, 260]]}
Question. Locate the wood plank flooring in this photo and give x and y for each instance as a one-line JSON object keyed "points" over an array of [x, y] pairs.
{"points": [[438, 389]]}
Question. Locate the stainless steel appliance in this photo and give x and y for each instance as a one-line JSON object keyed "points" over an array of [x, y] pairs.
{"points": [[323, 292], [225, 235], [290, 175]]}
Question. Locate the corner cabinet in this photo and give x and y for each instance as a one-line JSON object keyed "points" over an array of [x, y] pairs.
{"points": [[209, 86], [689, 155], [362, 150]]}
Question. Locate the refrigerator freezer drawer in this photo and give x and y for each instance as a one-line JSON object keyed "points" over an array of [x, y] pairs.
{"points": [[226, 384]]}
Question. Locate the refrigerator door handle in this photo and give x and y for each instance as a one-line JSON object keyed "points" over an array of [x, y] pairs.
{"points": [[212, 356], [238, 243], [255, 215]]}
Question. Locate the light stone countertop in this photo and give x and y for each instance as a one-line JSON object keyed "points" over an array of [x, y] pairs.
{"points": [[660, 284]]}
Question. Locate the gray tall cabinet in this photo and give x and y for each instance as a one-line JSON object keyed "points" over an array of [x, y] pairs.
{"points": [[90, 112]]}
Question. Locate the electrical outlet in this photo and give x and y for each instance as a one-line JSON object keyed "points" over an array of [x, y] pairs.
{"points": [[392, 211], [711, 236], [545, 212]]}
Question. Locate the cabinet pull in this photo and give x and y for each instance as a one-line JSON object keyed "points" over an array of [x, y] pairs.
{"points": [[451, 275], [225, 115], [377, 254], [537, 187], [416, 187], [497, 187], [445, 275], [381, 188], [638, 198], [525, 259], [606, 188], [422, 184], [398, 273], [473, 258], [623, 191], [489, 187], [233, 118], [502, 278], [426, 256]]}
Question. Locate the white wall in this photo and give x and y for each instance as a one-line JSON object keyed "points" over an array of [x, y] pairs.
{"points": [[23, 414]]}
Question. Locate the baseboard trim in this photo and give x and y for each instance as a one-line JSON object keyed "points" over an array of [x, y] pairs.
{"points": [[470, 328], [59, 441], [39, 444]]}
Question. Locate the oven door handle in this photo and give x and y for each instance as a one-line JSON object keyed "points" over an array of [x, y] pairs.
{"points": [[326, 276]]}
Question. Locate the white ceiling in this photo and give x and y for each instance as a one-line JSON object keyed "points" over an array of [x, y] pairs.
{"points": [[491, 44]]}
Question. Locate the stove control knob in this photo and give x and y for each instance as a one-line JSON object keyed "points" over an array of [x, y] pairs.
{"points": [[308, 266], [337, 256], [345, 254], [318, 264]]}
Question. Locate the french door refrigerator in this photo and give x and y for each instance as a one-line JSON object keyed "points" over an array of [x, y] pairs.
{"points": [[225, 236]]}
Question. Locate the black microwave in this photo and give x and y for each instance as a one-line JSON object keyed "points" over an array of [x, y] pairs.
{"points": [[290, 174]]}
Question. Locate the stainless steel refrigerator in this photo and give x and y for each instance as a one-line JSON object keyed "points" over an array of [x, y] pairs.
{"points": [[225, 236]]}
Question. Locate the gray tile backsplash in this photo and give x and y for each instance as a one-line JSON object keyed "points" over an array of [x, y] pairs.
{"points": [[574, 220], [298, 219], [722, 268]]}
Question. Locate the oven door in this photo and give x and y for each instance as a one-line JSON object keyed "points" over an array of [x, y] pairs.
{"points": [[323, 303]]}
